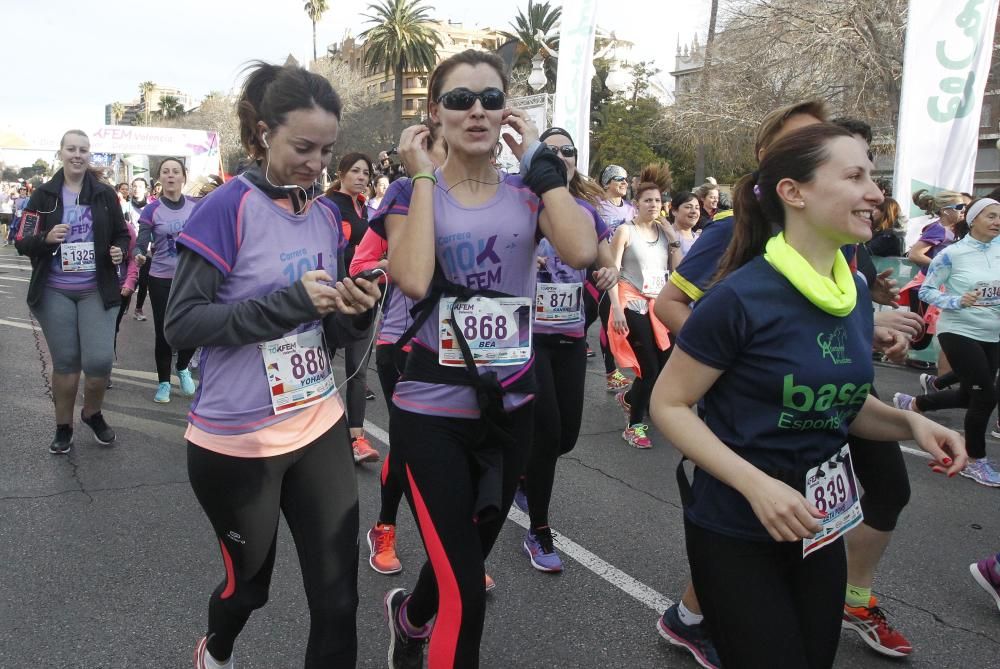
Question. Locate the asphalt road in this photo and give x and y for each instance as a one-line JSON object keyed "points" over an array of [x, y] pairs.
{"points": [[106, 559]]}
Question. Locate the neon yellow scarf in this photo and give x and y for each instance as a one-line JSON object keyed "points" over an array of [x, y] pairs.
{"points": [[836, 297]]}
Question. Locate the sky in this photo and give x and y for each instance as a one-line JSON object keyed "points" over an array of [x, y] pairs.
{"points": [[92, 53]]}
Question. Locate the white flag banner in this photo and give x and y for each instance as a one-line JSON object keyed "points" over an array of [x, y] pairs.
{"points": [[576, 56], [945, 65]]}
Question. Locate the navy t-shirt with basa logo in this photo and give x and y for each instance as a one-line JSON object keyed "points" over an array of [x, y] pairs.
{"points": [[794, 377]]}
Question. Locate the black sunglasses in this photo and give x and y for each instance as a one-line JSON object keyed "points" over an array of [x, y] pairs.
{"points": [[461, 99], [618, 179], [567, 150]]}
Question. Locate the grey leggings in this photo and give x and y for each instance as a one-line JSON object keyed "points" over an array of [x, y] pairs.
{"points": [[79, 331]]}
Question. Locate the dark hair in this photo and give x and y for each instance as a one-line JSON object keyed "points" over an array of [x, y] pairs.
{"points": [[994, 194], [580, 186], [173, 160], [143, 180], [117, 186], [346, 163], [270, 92], [774, 121], [855, 126], [677, 201], [756, 204], [74, 131], [467, 57]]}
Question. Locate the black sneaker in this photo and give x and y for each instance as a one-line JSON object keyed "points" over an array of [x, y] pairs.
{"points": [[102, 432], [369, 395], [63, 441], [404, 652]]}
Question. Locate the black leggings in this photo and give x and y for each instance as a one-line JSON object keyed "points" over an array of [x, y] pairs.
{"points": [[390, 363], [432, 458], [975, 363], [314, 487], [355, 359], [560, 372], [159, 293], [122, 310], [651, 362], [600, 307], [766, 606], [143, 283]]}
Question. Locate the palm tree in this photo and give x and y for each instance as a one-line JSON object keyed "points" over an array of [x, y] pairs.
{"points": [[145, 88], [170, 107], [400, 40], [530, 32], [315, 10], [117, 112]]}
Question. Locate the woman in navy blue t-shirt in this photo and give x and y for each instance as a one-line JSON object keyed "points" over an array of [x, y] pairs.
{"points": [[780, 351]]}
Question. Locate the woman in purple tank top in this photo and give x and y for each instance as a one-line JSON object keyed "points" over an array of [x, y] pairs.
{"points": [[462, 240], [260, 286]]}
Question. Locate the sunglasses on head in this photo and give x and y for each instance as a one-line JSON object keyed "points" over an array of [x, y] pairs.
{"points": [[566, 150], [957, 207], [461, 99]]}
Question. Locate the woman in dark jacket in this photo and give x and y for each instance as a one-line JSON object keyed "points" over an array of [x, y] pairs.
{"points": [[74, 232]]}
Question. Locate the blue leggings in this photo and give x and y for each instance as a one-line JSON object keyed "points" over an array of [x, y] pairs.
{"points": [[79, 331]]}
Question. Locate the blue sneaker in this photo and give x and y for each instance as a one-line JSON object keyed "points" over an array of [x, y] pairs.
{"points": [[927, 383], [521, 497], [693, 638], [187, 383], [903, 402], [162, 393], [982, 472], [540, 550]]}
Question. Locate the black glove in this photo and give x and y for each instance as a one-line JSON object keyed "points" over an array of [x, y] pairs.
{"points": [[547, 171]]}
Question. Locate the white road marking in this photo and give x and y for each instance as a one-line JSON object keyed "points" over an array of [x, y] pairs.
{"points": [[26, 268], [616, 577], [14, 278], [14, 324]]}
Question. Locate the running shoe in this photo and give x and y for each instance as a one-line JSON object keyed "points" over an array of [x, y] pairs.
{"points": [[363, 451], [870, 624], [491, 585], [162, 395], [382, 544], [369, 395], [693, 638], [927, 383], [617, 381], [108, 387], [636, 436], [623, 403], [590, 351], [987, 574], [982, 472], [63, 441], [521, 497], [903, 402], [540, 550], [103, 433], [995, 432], [138, 315], [187, 383], [404, 652], [201, 653]]}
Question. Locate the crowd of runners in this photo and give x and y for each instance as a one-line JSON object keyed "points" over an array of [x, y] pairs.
{"points": [[741, 325]]}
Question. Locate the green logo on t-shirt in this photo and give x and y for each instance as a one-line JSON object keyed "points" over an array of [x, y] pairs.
{"points": [[834, 345]]}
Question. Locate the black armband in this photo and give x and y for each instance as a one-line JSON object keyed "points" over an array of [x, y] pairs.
{"points": [[547, 171]]}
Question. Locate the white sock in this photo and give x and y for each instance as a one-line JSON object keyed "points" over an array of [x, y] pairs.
{"points": [[212, 663], [688, 617]]}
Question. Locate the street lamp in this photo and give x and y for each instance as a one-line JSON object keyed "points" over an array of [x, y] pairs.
{"points": [[537, 79]]}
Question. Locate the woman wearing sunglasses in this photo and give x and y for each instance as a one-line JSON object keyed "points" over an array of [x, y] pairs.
{"points": [[462, 240], [948, 210], [560, 359]]}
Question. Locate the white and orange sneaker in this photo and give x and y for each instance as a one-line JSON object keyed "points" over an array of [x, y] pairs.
{"points": [[363, 451]]}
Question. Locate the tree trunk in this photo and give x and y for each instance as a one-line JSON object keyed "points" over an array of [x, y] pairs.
{"points": [[397, 102], [314, 41], [699, 164]]}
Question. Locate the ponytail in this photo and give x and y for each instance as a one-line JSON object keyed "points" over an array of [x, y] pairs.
{"points": [[270, 92], [751, 228]]}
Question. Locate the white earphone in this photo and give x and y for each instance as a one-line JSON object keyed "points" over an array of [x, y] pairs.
{"points": [[263, 140]]}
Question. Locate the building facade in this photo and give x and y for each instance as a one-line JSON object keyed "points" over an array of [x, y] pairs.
{"points": [[135, 111]]}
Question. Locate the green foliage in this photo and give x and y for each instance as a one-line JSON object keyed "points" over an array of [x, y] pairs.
{"points": [[399, 40], [623, 133]]}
